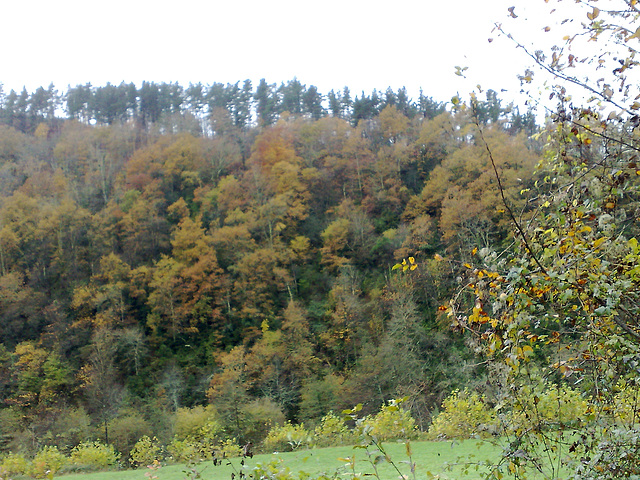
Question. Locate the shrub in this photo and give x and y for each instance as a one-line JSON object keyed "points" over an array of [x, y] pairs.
{"points": [[464, 415], [47, 462], [550, 407], [93, 456], [184, 451], [332, 431], [627, 405], [287, 437], [390, 423], [72, 426], [228, 449], [260, 416], [145, 452], [196, 422], [14, 464], [125, 431]]}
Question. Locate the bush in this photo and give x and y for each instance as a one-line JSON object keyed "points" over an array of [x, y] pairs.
{"points": [[551, 407], [332, 431], [287, 437], [184, 451], [228, 449], [260, 416], [14, 464], [47, 462], [196, 422], [197, 433], [145, 452], [125, 431], [390, 423], [464, 415], [72, 426], [93, 456], [627, 405]]}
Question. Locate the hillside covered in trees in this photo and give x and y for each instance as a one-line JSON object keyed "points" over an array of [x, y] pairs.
{"points": [[165, 247]]}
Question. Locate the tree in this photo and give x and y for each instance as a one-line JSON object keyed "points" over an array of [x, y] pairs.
{"points": [[267, 101], [561, 306], [185, 297]]}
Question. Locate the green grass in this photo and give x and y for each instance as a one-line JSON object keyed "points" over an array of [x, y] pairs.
{"points": [[428, 456]]}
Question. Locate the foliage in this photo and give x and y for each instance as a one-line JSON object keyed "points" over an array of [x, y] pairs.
{"points": [[14, 464], [287, 437], [562, 301], [464, 414], [93, 456], [165, 247], [188, 450], [46, 463], [259, 417], [125, 431], [332, 431], [392, 422], [146, 451], [554, 407], [229, 448], [198, 423]]}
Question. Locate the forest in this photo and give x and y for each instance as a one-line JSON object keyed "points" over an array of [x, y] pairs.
{"points": [[169, 247], [228, 266]]}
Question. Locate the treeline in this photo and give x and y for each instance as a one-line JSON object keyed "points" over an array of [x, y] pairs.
{"points": [[143, 269], [174, 105]]}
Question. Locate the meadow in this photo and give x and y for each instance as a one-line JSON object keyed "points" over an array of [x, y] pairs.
{"points": [[430, 458]]}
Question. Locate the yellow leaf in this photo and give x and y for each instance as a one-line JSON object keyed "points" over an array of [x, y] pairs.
{"points": [[466, 265], [594, 14], [599, 242], [413, 267], [474, 251], [412, 260]]}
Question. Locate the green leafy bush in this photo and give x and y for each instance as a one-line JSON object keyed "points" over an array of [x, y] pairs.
{"points": [[464, 415], [197, 422], [627, 404], [183, 451], [287, 437], [145, 452], [391, 423], [47, 462], [14, 464], [259, 417], [125, 431], [198, 432], [93, 456], [228, 449], [547, 407], [332, 431], [72, 426]]}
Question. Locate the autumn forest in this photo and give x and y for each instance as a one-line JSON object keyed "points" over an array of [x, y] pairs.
{"points": [[166, 247]]}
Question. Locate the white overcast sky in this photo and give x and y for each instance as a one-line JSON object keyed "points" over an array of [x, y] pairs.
{"points": [[362, 44]]}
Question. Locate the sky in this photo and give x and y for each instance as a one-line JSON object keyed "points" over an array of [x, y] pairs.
{"points": [[364, 45]]}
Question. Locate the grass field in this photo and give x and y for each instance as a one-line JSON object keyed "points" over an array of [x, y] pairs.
{"points": [[428, 456]]}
